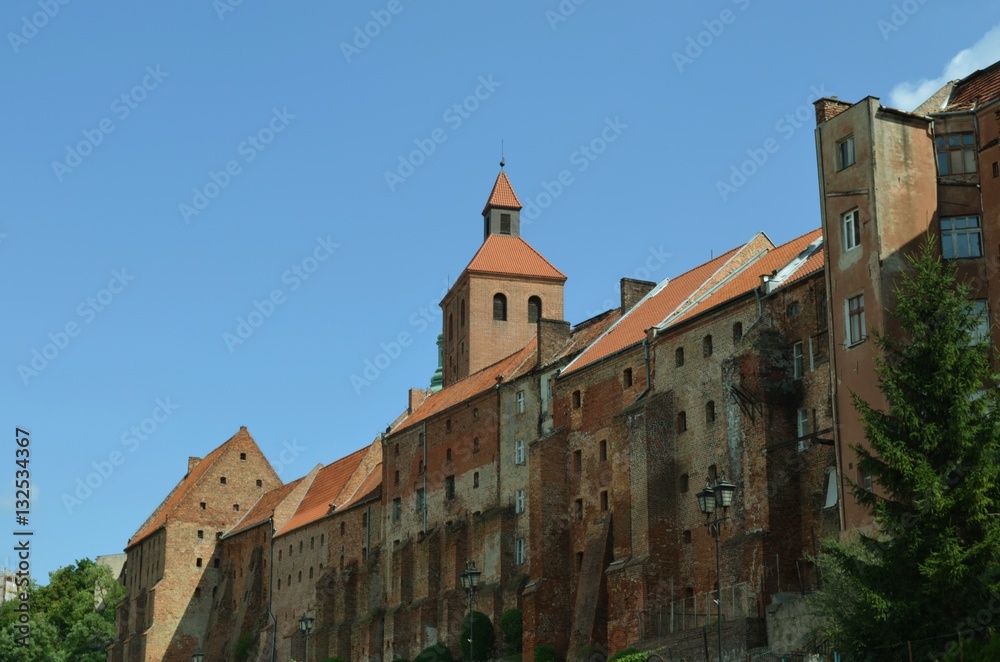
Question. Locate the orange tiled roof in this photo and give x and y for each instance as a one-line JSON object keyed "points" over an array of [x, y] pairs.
{"points": [[513, 366], [745, 279], [265, 507], [324, 491], [502, 194], [587, 332], [650, 311], [503, 254], [975, 89], [159, 516], [371, 485]]}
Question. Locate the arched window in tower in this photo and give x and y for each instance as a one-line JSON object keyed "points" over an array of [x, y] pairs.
{"points": [[534, 309], [500, 307], [461, 314]]}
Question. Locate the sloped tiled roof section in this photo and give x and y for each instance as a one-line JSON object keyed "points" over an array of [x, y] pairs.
{"points": [[976, 89], [502, 194], [370, 488], [663, 300], [266, 506], [748, 277], [513, 366], [511, 256], [159, 516], [324, 491]]}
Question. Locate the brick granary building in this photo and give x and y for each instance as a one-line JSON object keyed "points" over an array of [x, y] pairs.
{"points": [[565, 460]]}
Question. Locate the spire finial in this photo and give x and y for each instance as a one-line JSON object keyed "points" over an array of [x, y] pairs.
{"points": [[502, 160]]}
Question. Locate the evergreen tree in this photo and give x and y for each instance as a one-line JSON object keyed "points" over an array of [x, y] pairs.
{"points": [[935, 460]]}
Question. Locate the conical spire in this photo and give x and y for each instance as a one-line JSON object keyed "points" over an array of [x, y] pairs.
{"points": [[502, 195]]}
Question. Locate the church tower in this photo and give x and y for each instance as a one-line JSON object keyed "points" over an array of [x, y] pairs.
{"points": [[493, 308]]}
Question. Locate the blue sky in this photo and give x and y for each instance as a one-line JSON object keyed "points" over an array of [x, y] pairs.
{"points": [[215, 214]]}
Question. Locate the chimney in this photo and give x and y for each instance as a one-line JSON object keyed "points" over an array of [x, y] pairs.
{"points": [[192, 463], [552, 337], [417, 397], [829, 107], [633, 291]]}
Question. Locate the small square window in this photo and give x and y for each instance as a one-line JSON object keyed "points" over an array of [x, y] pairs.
{"points": [[236, 507], [243, 456], [684, 482], [215, 563], [687, 536], [222, 480], [793, 309], [260, 483], [197, 562], [961, 237], [202, 505], [475, 414]]}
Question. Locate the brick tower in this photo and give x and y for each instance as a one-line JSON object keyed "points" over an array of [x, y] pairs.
{"points": [[493, 308]]}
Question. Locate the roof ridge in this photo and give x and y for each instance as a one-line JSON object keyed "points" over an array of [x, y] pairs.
{"points": [[705, 294], [495, 238]]}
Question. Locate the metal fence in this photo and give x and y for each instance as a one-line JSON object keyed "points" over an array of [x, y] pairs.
{"points": [[696, 611]]}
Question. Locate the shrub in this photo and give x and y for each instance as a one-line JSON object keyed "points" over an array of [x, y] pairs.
{"points": [[512, 629], [481, 630], [436, 653], [241, 651], [628, 655], [545, 653]]}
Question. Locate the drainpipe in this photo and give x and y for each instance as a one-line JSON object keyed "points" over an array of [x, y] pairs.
{"points": [[425, 477], [270, 594], [649, 377]]}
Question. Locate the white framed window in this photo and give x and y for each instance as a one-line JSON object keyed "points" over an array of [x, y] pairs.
{"points": [[851, 225], [979, 312], [802, 428], [520, 552], [519, 502], [519, 451], [961, 236], [520, 402], [956, 153], [797, 360], [845, 153], [855, 310], [866, 481]]}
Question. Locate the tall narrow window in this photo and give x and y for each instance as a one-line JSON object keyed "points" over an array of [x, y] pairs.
{"points": [[579, 509], [520, 552], [519, 455], [802, 427], [449, 488], [577, 399], [856, 330], [627, 377], [710, 411], [420, 500], [499, 307], [451, 327], [475, 479], [534, 309], [851, 225], [461, 313], [604, 501], [604, 450], [682, 422], [684, 482], [504, 223], [519, 502], [706, 345], [679, 357], [520, 402], [978, 312], [397, 509], [578, 461], [797, 365], [737, 332]]}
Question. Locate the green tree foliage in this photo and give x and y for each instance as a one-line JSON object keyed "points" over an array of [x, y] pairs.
{"points": [[546, 653], [512, 629], [436, 653], [481, 630], [628, 654], [64, 624], [935, 460]]}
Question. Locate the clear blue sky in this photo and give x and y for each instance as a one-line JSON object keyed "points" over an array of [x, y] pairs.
{"points": [[116, 115]]}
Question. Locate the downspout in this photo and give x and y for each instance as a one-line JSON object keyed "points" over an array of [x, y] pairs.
{"points": [[424, 504], [368, 533], [270, 594], [649, 377]]}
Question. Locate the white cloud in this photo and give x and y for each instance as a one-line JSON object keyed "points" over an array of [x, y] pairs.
{"points": [[908, 95]]}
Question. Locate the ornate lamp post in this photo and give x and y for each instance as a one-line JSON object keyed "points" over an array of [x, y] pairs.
{"points": [[306, 624], [198, 656], [710, 500], [470, 582]]}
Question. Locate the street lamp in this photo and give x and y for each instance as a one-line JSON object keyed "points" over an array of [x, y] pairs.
{"points": [[470, 582], [710, 499], [306, 624], [198, 656]]}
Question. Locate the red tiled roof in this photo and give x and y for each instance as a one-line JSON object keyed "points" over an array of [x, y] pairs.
{"points": [[512, 256], [975, 89], [371, 485], [587, 332], [502, 194], [747, 277], [513, 366], [649, 312], [159, 516], [265, 507], [324, 491]]}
